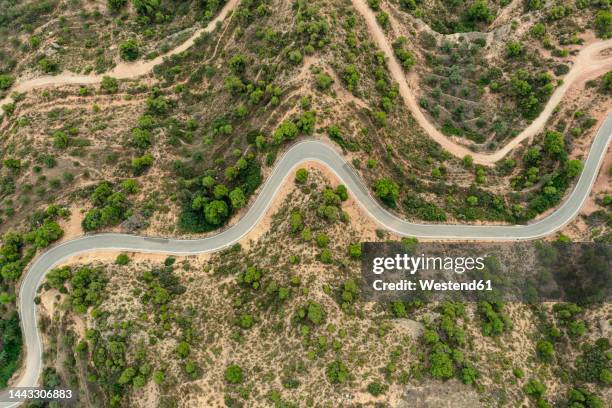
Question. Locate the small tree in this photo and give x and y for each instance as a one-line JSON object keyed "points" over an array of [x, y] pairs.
{"points": [[128, 50], [603, 24], [387, 190], [122, 259], [545, 350], [514, 49], [237, 198], [554, 143], [216, 212], [573, 168], [109, 84], [354, 250], [337, 372], [233, 374], [301, 176], [323, 81]]}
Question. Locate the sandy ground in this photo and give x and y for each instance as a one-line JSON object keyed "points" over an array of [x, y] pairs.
{"points": [[588, 64], [72, 226], [123, 70]]}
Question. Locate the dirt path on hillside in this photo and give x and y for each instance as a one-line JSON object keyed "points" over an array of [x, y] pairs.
{"points": [[123, 70], [588, 64], [505, 14]]}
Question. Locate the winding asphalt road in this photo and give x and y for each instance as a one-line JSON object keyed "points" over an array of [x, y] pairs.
{"points": [[309, 150]]}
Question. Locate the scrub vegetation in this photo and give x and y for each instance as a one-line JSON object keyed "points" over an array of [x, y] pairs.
{"points": [[279, 321], [182, 150]]}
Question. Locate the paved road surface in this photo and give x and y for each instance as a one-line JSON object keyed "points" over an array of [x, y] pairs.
{"points": [[309, 150]]}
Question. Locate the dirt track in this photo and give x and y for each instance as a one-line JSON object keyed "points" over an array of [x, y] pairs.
{"points": [[588, 64], [123, 70]]}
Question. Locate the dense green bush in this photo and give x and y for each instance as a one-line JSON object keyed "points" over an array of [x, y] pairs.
{"points": [[387, 190], [208, 204], [234, 374], [301, 176], [323, 81], [337, 372], [6, 81], [128, 50], [545, 350], [494, 321], [10, 347], [109, 84], [582, 398], [110, 208], [418, 207], [122, 259], [594, 362], [406, 57], [603, 24]]}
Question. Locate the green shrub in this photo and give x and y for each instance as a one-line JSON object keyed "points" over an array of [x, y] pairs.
{"points": [[514, 49], [326, 256], [387, 190], [301, 176], [322, 240], [534, 388], [60, 140], [122, 259], [128, 50], [183, 349], [234, 374], [354, 250], [545, 350], [375, 388], [6, 81], [109, 84], [337, 372], [323, 81], [351, 77], [315, 313], [142, 163]]}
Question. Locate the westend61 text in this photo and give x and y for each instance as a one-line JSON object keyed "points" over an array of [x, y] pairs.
{"points": [[430, 284]]}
